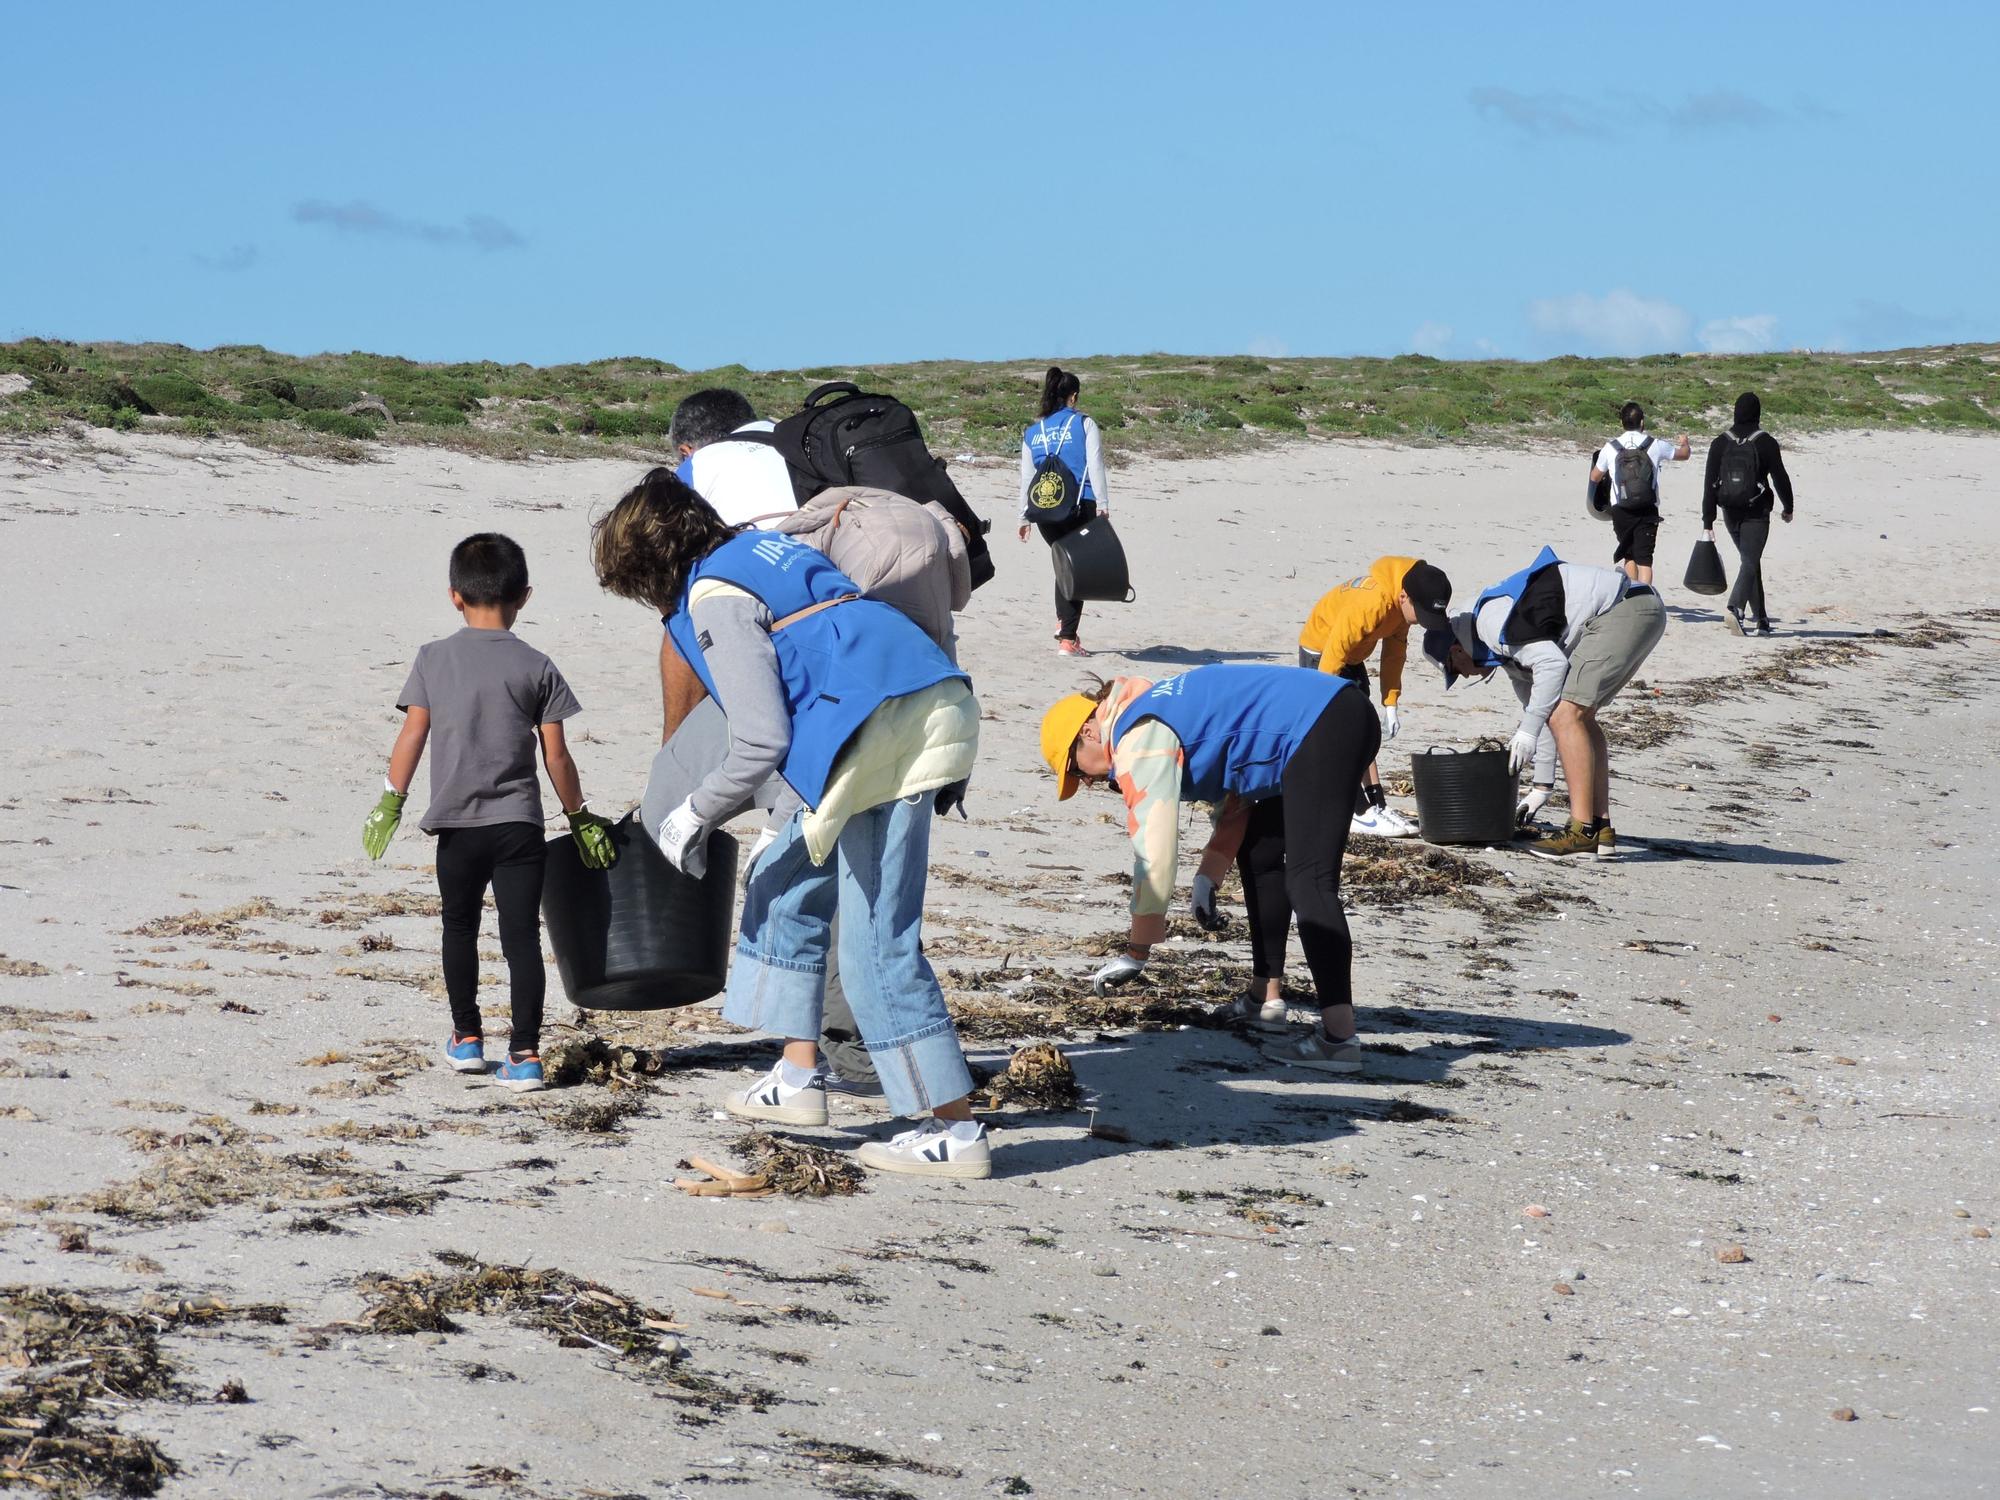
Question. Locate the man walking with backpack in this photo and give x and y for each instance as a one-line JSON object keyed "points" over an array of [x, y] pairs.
{"points": [[1632, 461], [1745, 469]]}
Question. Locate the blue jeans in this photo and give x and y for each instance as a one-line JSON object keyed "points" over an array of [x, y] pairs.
{"points": [[875, 880]]}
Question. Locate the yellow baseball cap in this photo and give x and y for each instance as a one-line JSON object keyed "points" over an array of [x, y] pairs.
{"points": [[1060, 727]]}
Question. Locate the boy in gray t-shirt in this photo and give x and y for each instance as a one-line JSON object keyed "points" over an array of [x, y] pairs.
{"points": [[485, 696]]}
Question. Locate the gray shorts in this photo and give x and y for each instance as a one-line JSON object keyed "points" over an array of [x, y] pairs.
{"points": [[1612, 647]]}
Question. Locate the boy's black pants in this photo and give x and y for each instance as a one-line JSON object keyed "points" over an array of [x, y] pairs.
{"points": [[508, 857], [1069, 612]]}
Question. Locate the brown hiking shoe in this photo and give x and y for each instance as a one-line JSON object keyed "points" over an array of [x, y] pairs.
{"points": [[1607, 843], [1574, 839]]}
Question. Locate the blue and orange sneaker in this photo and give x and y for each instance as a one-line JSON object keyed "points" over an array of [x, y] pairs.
{"points": [[466, 1054], [521, 1072]]}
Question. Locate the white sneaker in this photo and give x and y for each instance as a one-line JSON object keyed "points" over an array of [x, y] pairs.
{"points": [[1381, 823], [931, 1150], [771, 1098], [1394, 824], [1319, 1051], [1248, 1010]]}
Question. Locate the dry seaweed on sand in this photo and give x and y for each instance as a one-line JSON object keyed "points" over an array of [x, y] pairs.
{"points": [[584, 1058], [1397, 873], [576, 1313], [1038, 1077], [227, 923], [599, 1116], [23, 968], [68, 1362], [211, 1165], [800, 1169], [352, 909]]}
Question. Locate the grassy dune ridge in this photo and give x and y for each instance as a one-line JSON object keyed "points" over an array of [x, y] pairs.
{"points": [[341, 405]]}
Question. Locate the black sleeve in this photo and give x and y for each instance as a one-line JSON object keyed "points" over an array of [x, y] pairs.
{"points": [[1543, 612], [1774, 470], [1708, 482]]}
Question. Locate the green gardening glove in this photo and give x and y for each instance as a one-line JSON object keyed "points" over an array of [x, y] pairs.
{"points": [[381, 824], [593, 838]]}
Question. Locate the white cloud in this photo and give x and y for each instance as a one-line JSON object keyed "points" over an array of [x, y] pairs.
{"points": [[1619, 322], [1724, 109], [1537, 114], [1265, 346], [1751, 335], [1431, 338]]}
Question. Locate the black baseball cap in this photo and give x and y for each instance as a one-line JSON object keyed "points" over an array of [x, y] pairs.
{"points": [[1430, 593]]}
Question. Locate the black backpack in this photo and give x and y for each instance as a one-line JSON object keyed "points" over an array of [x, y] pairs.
{"points": [[843, 435], [1737, 480], [1638, 481]]}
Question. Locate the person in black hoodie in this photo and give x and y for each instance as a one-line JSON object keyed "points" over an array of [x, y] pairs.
{"points": [[1745, 470]]}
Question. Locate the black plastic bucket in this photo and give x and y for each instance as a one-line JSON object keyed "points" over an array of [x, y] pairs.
{"points": [[1090, 564], [1704, 571], [1464, 796], [640, 935]]}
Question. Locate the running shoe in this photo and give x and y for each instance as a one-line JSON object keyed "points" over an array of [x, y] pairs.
{"points": [[836, 1082], [1067, 647], [931, 1150], [1576, 838], [1248, 1010], [1607, 843], [1320, 1052], [466, 1054], [1394, 824], [1735, 621], [770, 1098], [521, 1072], [1381, 823]]}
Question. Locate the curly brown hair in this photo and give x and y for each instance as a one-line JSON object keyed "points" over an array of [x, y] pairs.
{"points": [[644, 547]]}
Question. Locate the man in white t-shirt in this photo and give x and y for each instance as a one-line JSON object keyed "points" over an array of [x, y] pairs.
{"points": [[1632, 461], [747, 483]]}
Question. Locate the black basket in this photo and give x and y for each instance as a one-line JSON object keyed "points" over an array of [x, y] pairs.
{"points": [[640, 935], [1704, 571], [1464, 796], [1090, 564]]}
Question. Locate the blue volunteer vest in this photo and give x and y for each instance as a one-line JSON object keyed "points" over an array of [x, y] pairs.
{"points": [[838, 666], [1239, 727], [1511, 587], [1062, 436]]}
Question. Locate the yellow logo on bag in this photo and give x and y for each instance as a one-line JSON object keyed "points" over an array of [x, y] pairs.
{"points": [[1046, 493]]}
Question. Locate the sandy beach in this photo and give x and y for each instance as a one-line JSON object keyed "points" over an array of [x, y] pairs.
{"points": [[1663, 1169]]}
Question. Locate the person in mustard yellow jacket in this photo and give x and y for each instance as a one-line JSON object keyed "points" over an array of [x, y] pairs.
{"points": [[1342, 632]]}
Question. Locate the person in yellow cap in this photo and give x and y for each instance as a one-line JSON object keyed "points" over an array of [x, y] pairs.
{"points": [[1345, 627], [1289, 744]]}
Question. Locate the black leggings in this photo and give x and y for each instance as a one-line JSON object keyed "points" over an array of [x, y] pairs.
{"points": [[1291, 852], [1069, 612], [509, 857]]}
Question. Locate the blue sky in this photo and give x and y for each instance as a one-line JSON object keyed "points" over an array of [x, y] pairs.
{"points": [[794, 184]]}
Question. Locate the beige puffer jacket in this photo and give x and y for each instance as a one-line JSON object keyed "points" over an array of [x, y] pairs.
{"points": [[909, 555]]}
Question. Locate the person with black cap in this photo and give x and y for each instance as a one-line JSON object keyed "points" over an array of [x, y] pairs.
{"points": [[1342, 632], [1745, 470], [1570, 637]]}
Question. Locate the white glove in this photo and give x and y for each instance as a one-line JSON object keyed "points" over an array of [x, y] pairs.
{"points": [[1390, 722], [1520, 751], [1205, 913], [1536, 799], [766, 837], [1121, 970], [684, 841]]}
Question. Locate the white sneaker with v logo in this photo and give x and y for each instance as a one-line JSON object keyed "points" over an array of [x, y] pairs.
{"points": [[931, 1150], [771, 1098]]}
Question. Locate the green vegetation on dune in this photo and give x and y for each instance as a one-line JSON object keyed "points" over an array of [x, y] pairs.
{"points": [[1162, 404]]}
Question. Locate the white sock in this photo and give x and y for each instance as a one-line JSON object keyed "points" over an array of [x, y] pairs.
{"points": [[965, 1130], [793, 1076]]}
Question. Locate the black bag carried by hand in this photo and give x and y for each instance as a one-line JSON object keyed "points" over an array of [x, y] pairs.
{"points": [[1704, 574], [843, 435]]}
